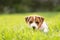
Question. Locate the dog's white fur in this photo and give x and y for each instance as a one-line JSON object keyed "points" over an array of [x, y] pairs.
{"points": [[43, 27]]}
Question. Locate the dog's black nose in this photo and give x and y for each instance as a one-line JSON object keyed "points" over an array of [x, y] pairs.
{"points": [[33, 27]]}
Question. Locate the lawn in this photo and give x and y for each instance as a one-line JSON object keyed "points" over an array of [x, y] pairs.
{"points": [[13, 27]]}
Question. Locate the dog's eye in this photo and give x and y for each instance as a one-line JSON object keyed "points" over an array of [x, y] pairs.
{"points": [[30, 22], [37, 22]]}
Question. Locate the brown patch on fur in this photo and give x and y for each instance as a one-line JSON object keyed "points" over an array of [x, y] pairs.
{"points": [[39, 21], [26, 19], [31, 19]]}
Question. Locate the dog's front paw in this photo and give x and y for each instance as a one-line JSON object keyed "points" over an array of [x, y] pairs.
{"points": [[45, 30]]}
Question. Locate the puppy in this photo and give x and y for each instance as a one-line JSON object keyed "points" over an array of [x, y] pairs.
{"points": [[37, 22]]}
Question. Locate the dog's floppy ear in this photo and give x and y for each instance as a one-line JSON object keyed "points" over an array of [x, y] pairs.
{"points": [[41, 19], [26, 19]]}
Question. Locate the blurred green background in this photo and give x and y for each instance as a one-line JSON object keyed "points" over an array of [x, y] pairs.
{"points": [[16, 6]]}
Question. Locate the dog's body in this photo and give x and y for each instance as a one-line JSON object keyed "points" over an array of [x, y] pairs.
{"points": [[37, 22]]}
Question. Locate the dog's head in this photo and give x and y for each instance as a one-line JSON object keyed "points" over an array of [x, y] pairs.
{"points": [[34, 22]]}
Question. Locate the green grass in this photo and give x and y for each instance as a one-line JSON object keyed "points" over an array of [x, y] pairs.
{"points": [[13, 27]]}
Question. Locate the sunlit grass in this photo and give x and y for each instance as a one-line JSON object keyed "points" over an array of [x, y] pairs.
{"points": [[13, 27]]}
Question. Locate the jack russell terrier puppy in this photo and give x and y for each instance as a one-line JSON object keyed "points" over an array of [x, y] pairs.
{"points": [[37, 22]]}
